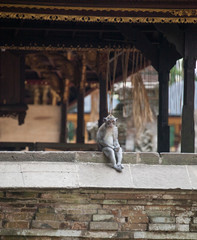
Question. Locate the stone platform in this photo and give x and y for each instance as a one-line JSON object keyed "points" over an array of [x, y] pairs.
{"points": [[91, 170], [78, 196]]}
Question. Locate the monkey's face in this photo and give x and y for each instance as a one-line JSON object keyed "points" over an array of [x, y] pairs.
{"points": [[110, 121]]}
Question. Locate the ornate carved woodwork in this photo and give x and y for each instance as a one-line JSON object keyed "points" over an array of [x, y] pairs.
{"points": [[98, 11]]}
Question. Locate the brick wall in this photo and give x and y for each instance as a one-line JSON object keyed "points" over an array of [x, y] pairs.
{"points": [[97, 214]]}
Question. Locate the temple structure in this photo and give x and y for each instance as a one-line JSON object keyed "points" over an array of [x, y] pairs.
{"points": [[44, 34], [74, 46]]}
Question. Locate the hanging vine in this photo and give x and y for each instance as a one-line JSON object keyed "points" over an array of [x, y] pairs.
{"points": [[141, 109]]}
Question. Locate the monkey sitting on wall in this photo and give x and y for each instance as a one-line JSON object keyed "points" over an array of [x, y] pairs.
{"points": [[107, 138]]}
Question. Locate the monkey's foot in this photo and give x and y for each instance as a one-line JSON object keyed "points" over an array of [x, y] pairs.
{"points": [[118, 168]]}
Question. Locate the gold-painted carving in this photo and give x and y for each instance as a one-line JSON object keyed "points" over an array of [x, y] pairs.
{"points": [[79, 18], [176, 12]]}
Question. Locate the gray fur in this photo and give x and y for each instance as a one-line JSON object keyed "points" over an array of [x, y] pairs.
{"points": [[107, 138]]}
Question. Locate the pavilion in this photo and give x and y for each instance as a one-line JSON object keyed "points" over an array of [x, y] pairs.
{"points": [[163, 31]]}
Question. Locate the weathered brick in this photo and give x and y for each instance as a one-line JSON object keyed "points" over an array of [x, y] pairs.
{"points": [[80, 226], [162, 219], [78, 217], [97, 196], [45, 224], [66, 197], [135, 216], [134, 227], [162, 227], [65, 225], [103, 226], [114, 201], [159, 207], [102, 217], [1, 194], [125, 234], [158, 213], [194, 219], [18, 224], [22, 195], [1, 216], [46, 210], [49, 216], [193, 227], [183, 220], [120, 196], [63, 207], [80, 211], [182, 227], [18, 216]]}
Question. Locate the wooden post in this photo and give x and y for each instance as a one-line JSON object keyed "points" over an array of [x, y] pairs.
{"points": [[187, 132], [80, 104], [103, 109], [163, 131], [163, 142], [63, 130], [64, 109]]}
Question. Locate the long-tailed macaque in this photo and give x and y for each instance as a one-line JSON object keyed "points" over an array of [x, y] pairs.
{"points": [[107, 138]]}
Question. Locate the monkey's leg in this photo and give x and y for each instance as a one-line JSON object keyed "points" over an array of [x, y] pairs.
{"points": [[119, 158], [109, 153]]}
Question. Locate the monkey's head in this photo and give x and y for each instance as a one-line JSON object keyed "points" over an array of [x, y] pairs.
{"points": [[110, 121]]}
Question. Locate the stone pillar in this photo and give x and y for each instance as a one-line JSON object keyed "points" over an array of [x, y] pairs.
{"points": [[187, 132]]}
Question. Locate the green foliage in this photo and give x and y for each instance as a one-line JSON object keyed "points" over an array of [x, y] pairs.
{"points": [[176, 72]]}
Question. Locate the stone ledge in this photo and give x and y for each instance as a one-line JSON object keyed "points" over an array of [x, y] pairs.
{"points": [[98, 234], [98, 157], [39, 174], [92, 170]]}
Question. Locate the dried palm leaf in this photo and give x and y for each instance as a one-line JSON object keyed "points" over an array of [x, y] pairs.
{"points": [[142, 112]]}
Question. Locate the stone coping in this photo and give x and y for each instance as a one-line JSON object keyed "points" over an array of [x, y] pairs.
{"points": [[97, 157], [91, 170], [98, 234]]}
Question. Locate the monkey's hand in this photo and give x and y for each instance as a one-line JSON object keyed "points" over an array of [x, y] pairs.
{"points": [[116, 149]]}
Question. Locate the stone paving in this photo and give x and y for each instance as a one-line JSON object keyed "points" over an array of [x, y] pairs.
{"points": [[90, 170]]}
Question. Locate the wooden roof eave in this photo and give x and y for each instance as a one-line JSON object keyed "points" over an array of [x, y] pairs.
{"points": [[102, 11]]}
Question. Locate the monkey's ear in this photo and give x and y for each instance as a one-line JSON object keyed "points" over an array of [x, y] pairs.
{"points": [[104, 119]]}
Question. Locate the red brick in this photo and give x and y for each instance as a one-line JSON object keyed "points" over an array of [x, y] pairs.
{"points": [[97, 196], [133, 227], [80, 226], [19, 224]]}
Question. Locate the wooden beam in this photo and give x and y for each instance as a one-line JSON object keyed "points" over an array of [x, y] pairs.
{"points": [[141, 42], [103, 109], [80, 115], [63, 128], [187, 132], [80, 103], [163, 141], [163, 133], [173, 34], [64, 110]]}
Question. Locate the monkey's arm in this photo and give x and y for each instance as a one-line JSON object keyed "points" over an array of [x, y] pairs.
{"points": [[104, 144], [100, 138], [116, 143]]}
